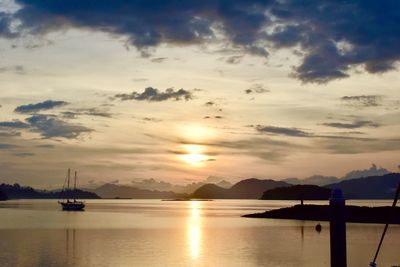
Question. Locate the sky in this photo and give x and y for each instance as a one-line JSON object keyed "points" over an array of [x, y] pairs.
{"points": [[183, 90]]}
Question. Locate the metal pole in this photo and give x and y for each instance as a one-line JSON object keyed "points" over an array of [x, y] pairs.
{"points": [[337, 207], [396, 197]]}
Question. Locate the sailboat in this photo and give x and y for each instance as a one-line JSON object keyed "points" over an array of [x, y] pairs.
{"points": [[68, 204]]}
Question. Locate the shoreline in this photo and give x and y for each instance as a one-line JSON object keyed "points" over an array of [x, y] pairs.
{"points": [[353, 214]]}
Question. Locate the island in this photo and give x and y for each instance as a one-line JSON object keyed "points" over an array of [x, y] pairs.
{"points": [[297, 192], [3, 196], [353, 214]]}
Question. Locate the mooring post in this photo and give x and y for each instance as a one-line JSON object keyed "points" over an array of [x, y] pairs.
{"points": [[338, 229]]}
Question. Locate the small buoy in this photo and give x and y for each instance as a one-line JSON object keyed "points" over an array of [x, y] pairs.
{"points": [[318, 227]]}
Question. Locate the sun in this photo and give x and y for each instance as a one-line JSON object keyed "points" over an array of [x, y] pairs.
{"points": [[195, 155]]}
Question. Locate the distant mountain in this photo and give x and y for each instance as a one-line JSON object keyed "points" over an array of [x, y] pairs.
{"points": [[3, 196], [326, 180], [372, 171], [125, 191], [373, 187], [17, 192], [298, 192], [245, 189], [224, 184], [314, 180]]}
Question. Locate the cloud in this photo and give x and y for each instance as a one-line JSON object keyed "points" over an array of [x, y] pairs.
{"points": [[352, 125], [51, 127], [362, 100], [15, 124], [150, 119], [215, 117], [24, 154], [209, 103], [17, 69], [86, 112], [356, 145], [333, 36], [33, 108], [140, 79], [274, 130], [154, 95], [9, 133], [372, 171], [5, 25], [256, 88], [234, 59], [159, 59], [7, 146]]}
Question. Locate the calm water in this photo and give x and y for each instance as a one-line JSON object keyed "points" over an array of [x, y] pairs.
{"points": [[165, 233]]}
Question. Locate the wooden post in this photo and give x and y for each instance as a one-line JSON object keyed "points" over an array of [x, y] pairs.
{"points": [[338, 229]]}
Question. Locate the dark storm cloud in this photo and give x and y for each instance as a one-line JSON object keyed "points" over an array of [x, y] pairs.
{"points": [[362, 100], [32, 108], [52, 127], [274, 130], [352, 125], [333, 36], [154, 95]]}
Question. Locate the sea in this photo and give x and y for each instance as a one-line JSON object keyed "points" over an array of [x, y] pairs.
{"points": [[178, 233]]}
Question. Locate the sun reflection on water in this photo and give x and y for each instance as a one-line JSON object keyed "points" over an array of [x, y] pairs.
{"points": [[194, 230]]}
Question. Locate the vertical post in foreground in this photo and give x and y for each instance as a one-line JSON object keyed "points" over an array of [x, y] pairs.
{"points": [[337, 229]]}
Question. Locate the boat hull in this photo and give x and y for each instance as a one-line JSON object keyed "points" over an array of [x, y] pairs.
{"points": [[72, 206]]}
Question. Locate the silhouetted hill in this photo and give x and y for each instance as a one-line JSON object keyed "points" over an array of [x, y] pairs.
{"points": [[17, 192], [211, 191], [373, 187], [245, 189], [298, 192], [254, 188], [3, 196], [124, 191]]}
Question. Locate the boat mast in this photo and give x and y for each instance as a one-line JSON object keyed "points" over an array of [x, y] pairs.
{"points": [[75, 186], [69, 173]]}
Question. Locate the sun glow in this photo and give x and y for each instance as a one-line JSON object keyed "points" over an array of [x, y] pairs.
{"points": [[194, 155], [197, 133]]}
